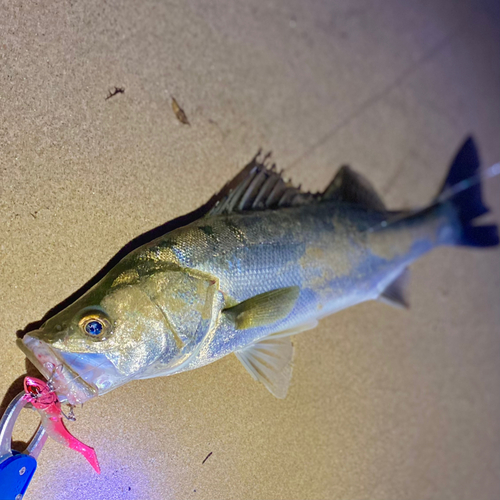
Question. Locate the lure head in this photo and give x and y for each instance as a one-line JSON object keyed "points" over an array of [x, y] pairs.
{"points": [[137, 317], [38, 392]]}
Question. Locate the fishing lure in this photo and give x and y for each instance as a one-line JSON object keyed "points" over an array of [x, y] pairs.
{"points": [[267, 261], [45, 401]]}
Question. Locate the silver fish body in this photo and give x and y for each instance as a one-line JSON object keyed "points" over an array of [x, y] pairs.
{"points": [[338, 257], [245, 277]]}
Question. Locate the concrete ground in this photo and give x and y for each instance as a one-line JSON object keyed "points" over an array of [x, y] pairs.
{"points": [[384, 404]]}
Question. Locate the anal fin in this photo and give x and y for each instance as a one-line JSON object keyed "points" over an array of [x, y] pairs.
{"points": [[396, 292]]}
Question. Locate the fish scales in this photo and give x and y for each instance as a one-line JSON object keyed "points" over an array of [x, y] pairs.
{"points": [[324, 249]]}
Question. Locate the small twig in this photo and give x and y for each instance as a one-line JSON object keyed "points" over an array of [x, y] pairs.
{"points": [[112, 93], [179, 112], [206, 458], [36, 212]]}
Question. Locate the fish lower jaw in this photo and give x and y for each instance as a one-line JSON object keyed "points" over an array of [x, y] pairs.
{"points": [[68, 385]]}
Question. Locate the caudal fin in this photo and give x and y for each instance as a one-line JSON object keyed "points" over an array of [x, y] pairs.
{"points": [[462, 188]]}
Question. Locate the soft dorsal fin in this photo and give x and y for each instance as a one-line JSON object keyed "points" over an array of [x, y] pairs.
{"points": [[259, 187], [396, 292], [263, 309], [350, 187]]}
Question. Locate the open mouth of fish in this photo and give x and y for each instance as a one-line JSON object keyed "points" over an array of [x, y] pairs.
{"points": [[71, 387]]}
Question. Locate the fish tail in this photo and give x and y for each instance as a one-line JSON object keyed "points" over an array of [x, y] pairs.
{"points": [[462, 191]]}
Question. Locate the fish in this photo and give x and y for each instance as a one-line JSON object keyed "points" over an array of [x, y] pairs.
{"points": [[46, 403], [265, 262]]}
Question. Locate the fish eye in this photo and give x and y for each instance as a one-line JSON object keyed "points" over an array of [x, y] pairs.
{"points": [[96, 325], [33, 390]]}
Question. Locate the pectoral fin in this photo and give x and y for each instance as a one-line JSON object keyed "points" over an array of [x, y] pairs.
{"points": [[264, 309], [395, 294]]}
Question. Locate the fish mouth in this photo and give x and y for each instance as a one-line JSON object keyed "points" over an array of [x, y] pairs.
{"points": [[69, 386]]}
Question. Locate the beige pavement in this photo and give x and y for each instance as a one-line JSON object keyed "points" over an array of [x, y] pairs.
{"points": [[384, 404]]}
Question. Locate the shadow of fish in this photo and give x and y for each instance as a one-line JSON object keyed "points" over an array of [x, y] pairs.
{"points": [[265, 263]]}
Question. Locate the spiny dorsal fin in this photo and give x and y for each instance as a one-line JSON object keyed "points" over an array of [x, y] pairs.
{"points": [[396, 292], [350, 187], [259, 187]]}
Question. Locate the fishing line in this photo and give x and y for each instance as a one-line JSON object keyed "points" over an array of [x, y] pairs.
{"points": [[446, 195], [73, 380], [450, 192]]}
